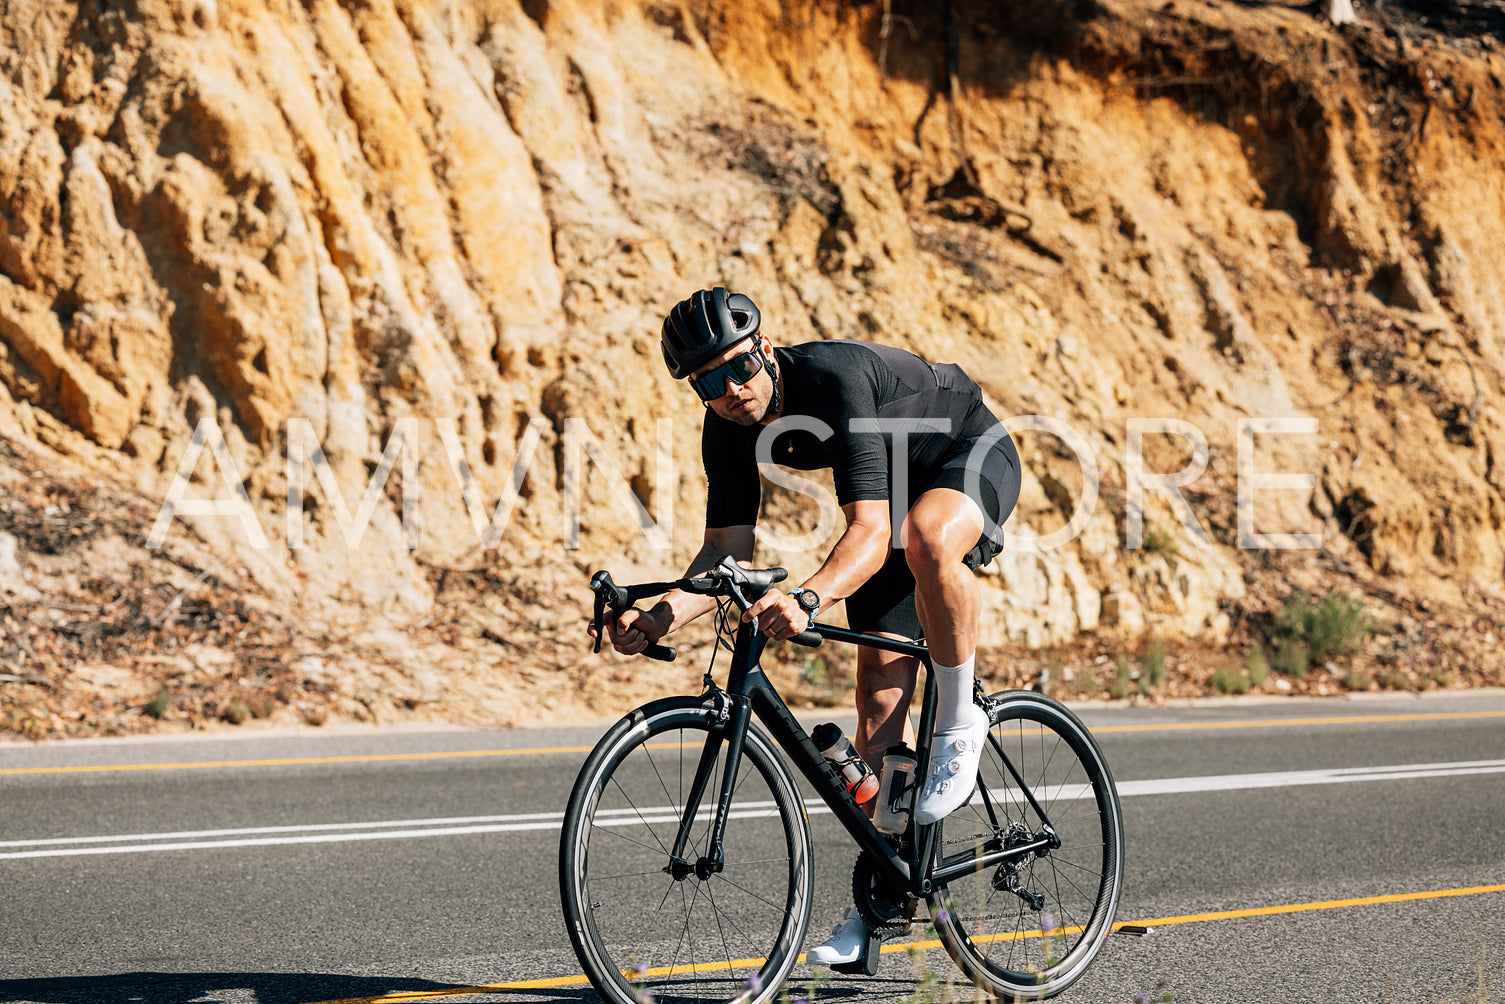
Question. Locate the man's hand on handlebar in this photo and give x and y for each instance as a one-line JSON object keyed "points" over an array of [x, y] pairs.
{"points": [[779, 615], [633, 631]]}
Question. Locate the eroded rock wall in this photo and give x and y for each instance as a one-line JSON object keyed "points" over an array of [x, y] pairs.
{"points": [[464, 220]]}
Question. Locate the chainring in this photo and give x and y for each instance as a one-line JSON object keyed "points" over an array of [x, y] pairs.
{"points": [[880, 907]]}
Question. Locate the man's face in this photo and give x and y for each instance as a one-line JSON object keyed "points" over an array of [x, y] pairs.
{"points": [[745, 404]]}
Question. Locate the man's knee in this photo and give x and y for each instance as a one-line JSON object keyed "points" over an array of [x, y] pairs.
{"points": [[938, 533], [927, 551]]}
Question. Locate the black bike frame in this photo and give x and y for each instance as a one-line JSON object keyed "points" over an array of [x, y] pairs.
{"points": [[749, 692]]}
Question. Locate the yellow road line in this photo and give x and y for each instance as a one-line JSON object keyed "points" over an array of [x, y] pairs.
{"points": [[538, 751], [1191, 918], [297, 761], [1330, 904]]}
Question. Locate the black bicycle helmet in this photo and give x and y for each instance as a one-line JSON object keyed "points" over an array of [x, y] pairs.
{"points": [[704, 325]]}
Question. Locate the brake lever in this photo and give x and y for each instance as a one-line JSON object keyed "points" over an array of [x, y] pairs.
{"points": [[598, 621], [608, 593]]}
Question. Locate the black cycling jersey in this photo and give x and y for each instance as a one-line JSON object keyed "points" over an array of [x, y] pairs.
{"points": [[831, 388]]}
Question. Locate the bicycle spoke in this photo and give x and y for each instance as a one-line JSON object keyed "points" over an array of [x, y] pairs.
{"points": [[1056, 904], [716, 912], [654, 764], [1094, 872], [628, 875], [615, 831], [732, 921], [749, 892], [639, 812], [667, 893], [688, 926]]}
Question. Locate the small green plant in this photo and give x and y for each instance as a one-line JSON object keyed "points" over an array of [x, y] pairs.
{"points": [[1394, 679], [927, 983], [1049, 935], [1163, 996], [1331, 626], [1355, 680], [1118, 687], [1230, 681], [1290, 658], [1158, 540], [819, 977], [158, 705], [1153, 665], [638, 974], [1051, 674], [1258, 667], [1487, 979], [237, 711]]}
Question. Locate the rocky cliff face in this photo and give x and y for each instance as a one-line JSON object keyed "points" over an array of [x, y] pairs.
{"points": [[437, 237]]}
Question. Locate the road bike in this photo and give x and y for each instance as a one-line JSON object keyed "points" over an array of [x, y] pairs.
{"points": [[685, 860]]}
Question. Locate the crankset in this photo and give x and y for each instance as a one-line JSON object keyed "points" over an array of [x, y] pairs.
{"points": [[880, 906], [885, 911]]}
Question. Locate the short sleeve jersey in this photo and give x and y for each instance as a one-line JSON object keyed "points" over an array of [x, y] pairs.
{"points": [[847, 405]]}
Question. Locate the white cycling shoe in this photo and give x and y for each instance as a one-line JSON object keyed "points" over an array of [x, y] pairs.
{"points": [[845, 944], [954, 757]]}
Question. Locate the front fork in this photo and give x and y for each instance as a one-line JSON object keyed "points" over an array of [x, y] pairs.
{"points": [[732, 715]]}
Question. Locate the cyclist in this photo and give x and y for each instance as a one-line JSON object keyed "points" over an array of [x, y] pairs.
{"points": [[899, 435]]}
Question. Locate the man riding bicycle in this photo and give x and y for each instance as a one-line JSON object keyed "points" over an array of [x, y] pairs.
{"points": [[892, 428]]}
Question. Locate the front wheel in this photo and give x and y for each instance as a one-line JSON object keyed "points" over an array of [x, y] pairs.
{"points": [[1029, 927], [639, 924]]}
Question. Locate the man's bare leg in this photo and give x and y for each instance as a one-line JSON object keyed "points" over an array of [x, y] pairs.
{"points": [[885, 687], [941, 528]]}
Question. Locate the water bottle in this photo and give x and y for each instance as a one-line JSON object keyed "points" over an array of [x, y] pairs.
{"points": [[892, 815], [842, 755]]}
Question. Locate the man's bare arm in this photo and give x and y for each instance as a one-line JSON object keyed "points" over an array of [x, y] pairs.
{"points": [[856, 557]]}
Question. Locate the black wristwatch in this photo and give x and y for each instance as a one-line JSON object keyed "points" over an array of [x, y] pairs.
{"points": [[808, 599]]}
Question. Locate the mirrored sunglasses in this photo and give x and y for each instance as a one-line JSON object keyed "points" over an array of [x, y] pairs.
{"points": [[739, 369]]}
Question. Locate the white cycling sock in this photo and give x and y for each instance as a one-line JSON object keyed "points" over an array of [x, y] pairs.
{"points": [[953, 691]]}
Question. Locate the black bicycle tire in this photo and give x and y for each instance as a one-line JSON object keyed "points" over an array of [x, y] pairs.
{"points": [[626, 735], [1012, 985]]}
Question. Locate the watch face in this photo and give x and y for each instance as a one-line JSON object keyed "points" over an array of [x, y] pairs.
{"points": [[808, 600]]}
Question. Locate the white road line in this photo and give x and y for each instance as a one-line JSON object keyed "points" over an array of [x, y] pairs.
{"points": [[1289, 778], [406, 829]]}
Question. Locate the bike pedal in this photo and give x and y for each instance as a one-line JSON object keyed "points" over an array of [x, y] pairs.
{"points": [[865, 964]]}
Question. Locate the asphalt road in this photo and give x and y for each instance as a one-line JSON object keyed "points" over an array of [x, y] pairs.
{"points": [[305, 868]]}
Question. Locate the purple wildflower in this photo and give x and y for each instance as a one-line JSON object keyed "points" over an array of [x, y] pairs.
{"points": [[1142, 998], [943, 916], [755, 984]]}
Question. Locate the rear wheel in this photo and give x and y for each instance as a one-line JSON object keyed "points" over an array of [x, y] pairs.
{"points": [[637, 923], [1028, 928]]}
